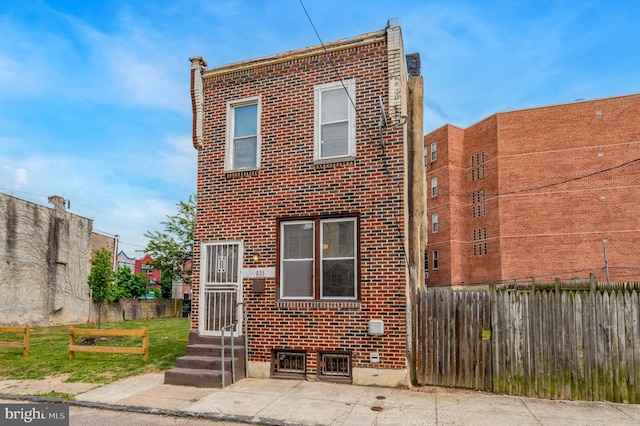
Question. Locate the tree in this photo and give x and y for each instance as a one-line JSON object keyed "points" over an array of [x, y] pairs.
{"points": [[173, 247], [101, 278], [130, 285]]}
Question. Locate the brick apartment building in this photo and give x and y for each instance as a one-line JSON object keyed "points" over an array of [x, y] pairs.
{"points": [[303, 208], [144, 266], [540, 192]]}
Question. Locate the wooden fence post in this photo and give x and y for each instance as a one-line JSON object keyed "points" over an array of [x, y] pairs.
{"points": [[27, 340], [145, 344], [72, 342]]}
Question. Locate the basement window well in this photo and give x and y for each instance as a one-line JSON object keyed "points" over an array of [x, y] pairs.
{"points": [[290, 364], [334, 366]]}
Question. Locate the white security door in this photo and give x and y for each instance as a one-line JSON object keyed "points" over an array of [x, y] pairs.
{"points": [[221, 288]]}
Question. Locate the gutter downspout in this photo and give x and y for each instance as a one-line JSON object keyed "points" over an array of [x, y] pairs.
{"points": [[197, 100]]}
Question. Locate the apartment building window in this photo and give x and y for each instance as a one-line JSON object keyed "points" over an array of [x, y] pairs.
{"points": [[318, 259], [335, 129], [434, 151], [242, 149], [435, 259], [434, 223], [480, 234], [478, 196], [434, 187], [477, 166]]}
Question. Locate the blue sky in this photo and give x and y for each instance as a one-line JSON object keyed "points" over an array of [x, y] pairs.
{"points": [[95, 103]]}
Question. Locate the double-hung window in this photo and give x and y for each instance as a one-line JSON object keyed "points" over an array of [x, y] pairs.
{"points": [[243, 134], [434, 151], [434, 223], [334, 121], [318, 259], [434, 187]]}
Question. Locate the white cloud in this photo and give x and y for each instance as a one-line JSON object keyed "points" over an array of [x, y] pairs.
{"points": [[178, 160], [21, 178]]}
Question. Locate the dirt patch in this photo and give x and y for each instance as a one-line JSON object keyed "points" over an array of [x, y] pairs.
{"points": [[98, 340]]}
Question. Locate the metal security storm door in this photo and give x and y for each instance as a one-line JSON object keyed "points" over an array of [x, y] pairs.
{"points": [[221, 288]]}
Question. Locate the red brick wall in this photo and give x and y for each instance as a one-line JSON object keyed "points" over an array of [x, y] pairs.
{"points": [[246, 206], [550, 199]]}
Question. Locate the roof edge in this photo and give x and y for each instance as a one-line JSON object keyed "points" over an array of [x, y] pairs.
{"points": [[333, 46]]}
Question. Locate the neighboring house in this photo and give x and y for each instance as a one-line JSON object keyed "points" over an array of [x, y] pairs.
{"points": [[311, 207], [181, 288], [541, 192], [126, 261], [144, 266], [45, 258]]}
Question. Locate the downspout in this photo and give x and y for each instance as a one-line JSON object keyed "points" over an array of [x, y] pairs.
{"points": [[416, 202], [197, 100]]}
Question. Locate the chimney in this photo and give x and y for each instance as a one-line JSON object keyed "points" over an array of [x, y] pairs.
{"points": [[58, 202]]}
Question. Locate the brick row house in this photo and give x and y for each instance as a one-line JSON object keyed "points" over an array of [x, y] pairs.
{"points": [[541, 192], [306, 230]]}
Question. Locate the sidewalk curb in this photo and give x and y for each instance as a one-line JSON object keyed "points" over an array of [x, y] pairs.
{"points": [[146, 410]]}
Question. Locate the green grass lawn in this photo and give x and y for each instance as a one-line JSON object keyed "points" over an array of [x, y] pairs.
{"points": [[49, 354]]}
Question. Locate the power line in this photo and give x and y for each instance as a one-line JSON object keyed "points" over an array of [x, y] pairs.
{"points": [[549, 185], [335, 68], [9, 191]]}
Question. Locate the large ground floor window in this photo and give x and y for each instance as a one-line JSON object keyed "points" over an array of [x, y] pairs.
{"points": [[319, 258]]}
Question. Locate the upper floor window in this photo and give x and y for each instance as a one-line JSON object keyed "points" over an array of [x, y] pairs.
{"points": [[318, 259], [434, 223], [335, 114], [243, 134], [436, 259], [434, 151], [477, 166], [434, 187]]}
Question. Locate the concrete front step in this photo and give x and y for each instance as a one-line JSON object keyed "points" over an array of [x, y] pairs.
{"points": [[195, 338], [213, 350], [207, 362], [201, 365], [198, 378]]}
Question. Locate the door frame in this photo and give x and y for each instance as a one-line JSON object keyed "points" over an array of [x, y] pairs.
{"points": [[207, 288]]}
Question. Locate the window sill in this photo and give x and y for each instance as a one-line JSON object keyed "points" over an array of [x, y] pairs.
{"points": [[232, 174], [346, 159], [319, 304]]}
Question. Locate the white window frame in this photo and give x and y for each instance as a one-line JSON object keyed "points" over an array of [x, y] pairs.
{"points": [[229, 165], [282, 259], [434, 223], [434, 151], [434, 187], [436, 260], [350, 86], [355, 258]]}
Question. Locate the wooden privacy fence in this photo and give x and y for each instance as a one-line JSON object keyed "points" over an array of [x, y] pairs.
{"points": [[563, 344], [73, 347], [24, 345], [454, 352]]}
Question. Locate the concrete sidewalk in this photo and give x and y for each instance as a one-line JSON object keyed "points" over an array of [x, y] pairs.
{"points": [[298, 402]]}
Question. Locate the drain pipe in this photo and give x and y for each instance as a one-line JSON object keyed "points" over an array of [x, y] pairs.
{"points": [[246, 340]]}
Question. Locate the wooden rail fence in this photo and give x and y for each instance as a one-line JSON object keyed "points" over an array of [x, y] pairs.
{"points": [[24, 345], [549, 343], [73, 347]]}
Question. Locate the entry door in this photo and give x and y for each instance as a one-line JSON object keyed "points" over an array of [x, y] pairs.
{"points": [[221, 288]]}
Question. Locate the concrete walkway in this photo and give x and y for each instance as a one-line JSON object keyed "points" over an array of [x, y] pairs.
{"points": [[298, 402]]}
